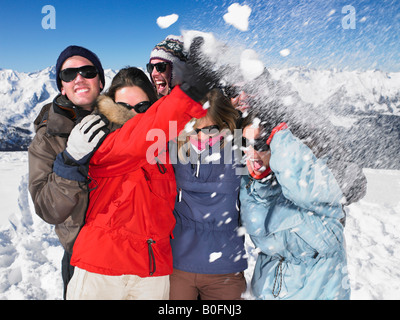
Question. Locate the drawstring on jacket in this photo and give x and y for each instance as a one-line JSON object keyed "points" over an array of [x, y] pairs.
{"points": [[152, 260], [160, 166], [278, 273], [197, 166], [180, 195]]}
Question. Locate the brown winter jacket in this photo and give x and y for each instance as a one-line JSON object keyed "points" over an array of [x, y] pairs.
{"points": [[57, 200]]}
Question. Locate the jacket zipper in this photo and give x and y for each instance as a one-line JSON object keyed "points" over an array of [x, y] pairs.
{"points": [[251, 180]]}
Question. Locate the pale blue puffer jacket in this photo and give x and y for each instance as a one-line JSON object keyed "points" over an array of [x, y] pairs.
{"points": [[293, 218]]}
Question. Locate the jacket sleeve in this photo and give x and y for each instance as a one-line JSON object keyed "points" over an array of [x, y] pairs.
{"points": [[320, 137], [131, 146], [305, 180], [55, 198], [350, 178]]}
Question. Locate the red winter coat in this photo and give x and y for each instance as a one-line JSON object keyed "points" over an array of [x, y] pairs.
{"points": [[129, 220]]}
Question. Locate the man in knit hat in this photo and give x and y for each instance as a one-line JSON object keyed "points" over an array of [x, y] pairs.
{"points": [[167, 64], [73, 57], [53, 184]]}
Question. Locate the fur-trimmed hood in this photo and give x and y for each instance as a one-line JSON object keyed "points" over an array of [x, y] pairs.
{"points": [[114, 112]]}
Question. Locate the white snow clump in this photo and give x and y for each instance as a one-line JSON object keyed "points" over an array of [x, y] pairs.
{"points": [[167, 21], [238, 16]]}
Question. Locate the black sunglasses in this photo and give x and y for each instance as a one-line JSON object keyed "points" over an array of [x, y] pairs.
{"points": [[69, 74], [259, 145], [141, 107], [160, 67], [207, 129], [232, 91]]}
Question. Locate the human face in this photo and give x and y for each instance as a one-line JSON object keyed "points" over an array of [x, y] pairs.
{"points": [[240, 101], [257, 161], [210, 128], [131, 95], [205, 134], [81, 92], [161, 79]]}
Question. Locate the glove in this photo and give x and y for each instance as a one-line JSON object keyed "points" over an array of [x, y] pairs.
{"points": [[86, 137], [199, 79]]}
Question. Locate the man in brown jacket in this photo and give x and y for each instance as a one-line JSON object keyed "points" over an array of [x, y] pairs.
{"points": [[59, 188]]}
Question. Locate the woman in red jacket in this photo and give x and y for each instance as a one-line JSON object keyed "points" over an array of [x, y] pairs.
{"points": [[123, 251]]}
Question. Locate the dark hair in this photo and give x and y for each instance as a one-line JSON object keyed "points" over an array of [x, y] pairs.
{"points": [[221, 110], [129, 77]]}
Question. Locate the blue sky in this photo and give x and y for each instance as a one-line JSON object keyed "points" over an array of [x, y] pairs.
{"points": [[123, 33]]}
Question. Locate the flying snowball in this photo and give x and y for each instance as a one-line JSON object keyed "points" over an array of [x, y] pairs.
{"points": [[215, 256], [167, 21], [284, 52], [211, 47], [238, 16], [331, 13], [256, 123], [250, 66]]}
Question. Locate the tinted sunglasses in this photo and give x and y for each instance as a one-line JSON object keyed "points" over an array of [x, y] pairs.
{"points": [[259, 145], [69, 74], [141, 107], [232, 91], [160, 67], [207, 129]]}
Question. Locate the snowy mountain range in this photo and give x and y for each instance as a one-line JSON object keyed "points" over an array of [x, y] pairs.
{"points": [[363, 105], [345, 92]]}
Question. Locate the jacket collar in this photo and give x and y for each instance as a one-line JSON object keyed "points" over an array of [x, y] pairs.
{"points": [[63, 115], [114, 112], [265, 174]]}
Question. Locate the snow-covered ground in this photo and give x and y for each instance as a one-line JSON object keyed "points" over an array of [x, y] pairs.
{"points": [[30, 255], [373, 238]]}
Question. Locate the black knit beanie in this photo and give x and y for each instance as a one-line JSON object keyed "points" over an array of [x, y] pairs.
{"points": [[82, 52]]}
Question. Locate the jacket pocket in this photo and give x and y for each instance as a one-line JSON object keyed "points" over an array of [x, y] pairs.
{"points": [[162, 185], [317, 233]]}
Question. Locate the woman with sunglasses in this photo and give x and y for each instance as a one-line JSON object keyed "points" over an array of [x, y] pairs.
{"points": [[130, 88], [209, 255], [292, 207], [123, 251]]}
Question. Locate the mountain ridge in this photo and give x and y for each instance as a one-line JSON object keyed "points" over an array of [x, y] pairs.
{"points": [[364, 106]]}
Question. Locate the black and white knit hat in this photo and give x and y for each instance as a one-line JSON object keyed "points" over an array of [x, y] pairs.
{"points": [[171, 50]]}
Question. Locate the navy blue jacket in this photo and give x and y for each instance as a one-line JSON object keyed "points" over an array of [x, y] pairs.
{"points": [[206, 238]]}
